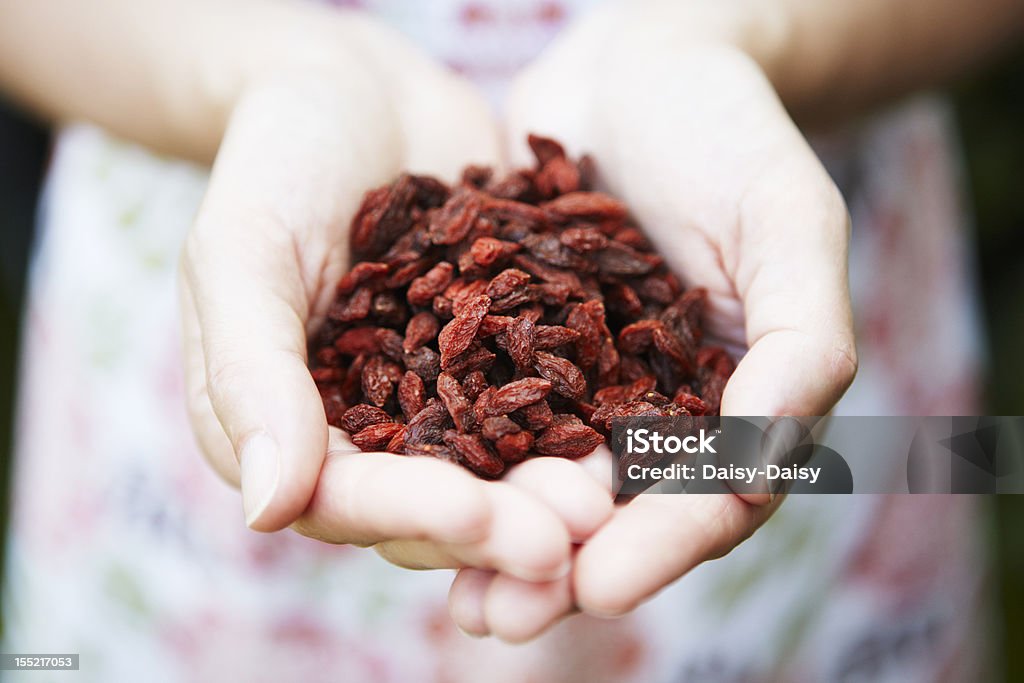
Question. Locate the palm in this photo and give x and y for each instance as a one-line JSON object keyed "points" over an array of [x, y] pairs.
{"points": [[260, 267], [696, 142]]}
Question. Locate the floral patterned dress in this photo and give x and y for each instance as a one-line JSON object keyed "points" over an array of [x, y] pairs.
{"points": [[126, 548]]}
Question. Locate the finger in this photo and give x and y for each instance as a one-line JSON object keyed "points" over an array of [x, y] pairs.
{"points": [[213, 442], [367, 498], [462, 125], [601, 468], [525, 539], [795, 291], [446, 122], [466, 600], [568, 489], [517, 611], [783, 443], [654, 540], [802, 355], [252, 290]]}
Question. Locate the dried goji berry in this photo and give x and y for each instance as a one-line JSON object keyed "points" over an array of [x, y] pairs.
{"points": [[515, 395], [568, 440], [376, 437], [359, 417]]}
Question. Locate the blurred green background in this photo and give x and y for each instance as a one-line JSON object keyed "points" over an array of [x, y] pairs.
{"points": [[991, 115]]}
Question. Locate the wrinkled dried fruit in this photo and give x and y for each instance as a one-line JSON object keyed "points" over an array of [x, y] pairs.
{"points": [[536, 415], [376, 437], [568, 440], [453, 221], [517, 394], [474, 453], [377, 381], [513, 448], [421, 329], [496, 427], [458, 335], [449, 390], [566, 379], [429, 424], [423, 289], [411, 394], [520, 342], [474, 384], [359, 417]]}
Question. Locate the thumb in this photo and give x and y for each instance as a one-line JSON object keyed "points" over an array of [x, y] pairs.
{"points": [[265, 237], [259, 387]]}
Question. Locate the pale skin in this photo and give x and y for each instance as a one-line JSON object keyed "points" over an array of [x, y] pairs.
{"points": [[683, 105]]}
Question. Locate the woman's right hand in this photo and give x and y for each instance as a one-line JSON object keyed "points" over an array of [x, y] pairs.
{"points": [[303, 143]]}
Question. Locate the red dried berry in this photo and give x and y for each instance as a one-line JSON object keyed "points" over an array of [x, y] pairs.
{"points": [[604, 415], [376, 437], [588, 344], [496, 427], [637, 337], [458, 335], [566, 379], [544, 149], [355, 306], [423, 289], [421, 329], [476, 358], [513, 448], [547, 337], [520, 342], [428, 425], [474, 384], [411, 394], [558, 176], [474, 453], [515, 395], [672, 347], [486, 251], [425, 362], [568, 440], [449, 390], [378, 381], [383, 216], [586, 205], [360, 273], [359, 417], [390, 343], [453, 221], [536, 415], [506, 282], [493, 324], [583, 239]]}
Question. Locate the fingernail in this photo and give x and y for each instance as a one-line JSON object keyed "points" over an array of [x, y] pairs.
{"points": [[261, 469], [470, 634]]}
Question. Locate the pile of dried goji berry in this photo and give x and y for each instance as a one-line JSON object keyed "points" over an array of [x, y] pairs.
{"points": [[507, 317]]}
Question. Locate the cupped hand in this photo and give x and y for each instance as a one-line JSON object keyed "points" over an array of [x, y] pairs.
{"points": [[303, 143], [686, 128]]}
